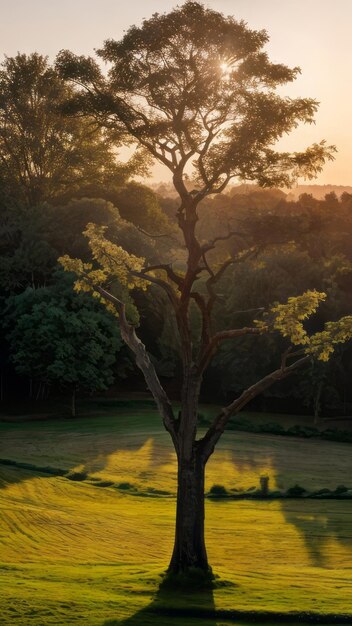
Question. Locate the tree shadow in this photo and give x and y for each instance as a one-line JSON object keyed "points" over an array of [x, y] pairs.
{"points": [[318, 529], [180, 607], [174, 608], [51, 451], [319, 521]]}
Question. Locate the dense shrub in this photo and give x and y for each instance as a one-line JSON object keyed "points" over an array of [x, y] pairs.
{"points": [[125, 486], [218, 491], [76, 476], [296, 491]]}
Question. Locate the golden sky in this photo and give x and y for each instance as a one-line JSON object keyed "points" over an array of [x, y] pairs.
{"points": [[314, 34]]}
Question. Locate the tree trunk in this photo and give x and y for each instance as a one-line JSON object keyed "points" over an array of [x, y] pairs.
{"points": [[189, 548], [73, 403], [317, 403]]}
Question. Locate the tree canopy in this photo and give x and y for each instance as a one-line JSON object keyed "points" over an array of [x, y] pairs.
{"points": [[59, 338], [196, 86], [44, 154]]}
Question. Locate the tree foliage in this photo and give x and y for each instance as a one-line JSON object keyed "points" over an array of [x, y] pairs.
{"points": [[57, 337], [44, 154], [195, 86]]}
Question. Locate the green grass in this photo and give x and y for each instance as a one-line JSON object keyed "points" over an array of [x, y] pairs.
{"points": [[74, 554]]}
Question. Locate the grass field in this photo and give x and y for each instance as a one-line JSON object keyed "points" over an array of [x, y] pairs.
{"points": [[75, 553]]}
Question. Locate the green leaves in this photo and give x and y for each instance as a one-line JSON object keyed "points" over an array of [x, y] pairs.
{"points": [[193, 85], [288, 319], [57, 336], [45, 154], [322, 344], [113, 264]]}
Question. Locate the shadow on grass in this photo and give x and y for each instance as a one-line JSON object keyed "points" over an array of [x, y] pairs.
{"points": [[318, 521], [173, 609], [319, 529], [183, 608]]}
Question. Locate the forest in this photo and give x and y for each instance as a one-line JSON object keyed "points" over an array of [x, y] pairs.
{"points": [[53, 184]]}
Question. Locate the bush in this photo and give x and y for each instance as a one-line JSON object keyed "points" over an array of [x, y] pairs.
{"points": [[296, 491], [311, 431], [321, 493], [273, 428], [242, 423], [76, 476], [218, 491], [341, 489], [125, 486], [294, 431], [344, 436], [276, 494]]}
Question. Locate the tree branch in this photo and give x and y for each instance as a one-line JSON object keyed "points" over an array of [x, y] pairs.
{"points": [[151, 235], [161, 283], [209, 441], [144, 363], [210, 349], [176, 278], [211, 244]]}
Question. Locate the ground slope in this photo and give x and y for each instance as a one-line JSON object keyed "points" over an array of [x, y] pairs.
{"points": [[75, 553]]}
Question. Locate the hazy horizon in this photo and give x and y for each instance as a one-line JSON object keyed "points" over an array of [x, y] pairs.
{"points": [[314, 36]]}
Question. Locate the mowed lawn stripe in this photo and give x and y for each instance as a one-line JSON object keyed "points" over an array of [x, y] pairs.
{"points": [[72, 553]]}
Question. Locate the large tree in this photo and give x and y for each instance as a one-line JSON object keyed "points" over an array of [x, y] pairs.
{"points": [[43, 154], [197, 91], [59, 338]]}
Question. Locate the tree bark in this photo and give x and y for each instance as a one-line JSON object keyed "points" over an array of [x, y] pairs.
{"points": [[189, 547]]}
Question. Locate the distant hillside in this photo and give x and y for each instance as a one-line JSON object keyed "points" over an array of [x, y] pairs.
{"points": [[318, 191]]}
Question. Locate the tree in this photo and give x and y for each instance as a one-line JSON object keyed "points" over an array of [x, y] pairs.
{"points": [[27, 254], [57, 337], [139, 205], [44, 154], [195, 87]]}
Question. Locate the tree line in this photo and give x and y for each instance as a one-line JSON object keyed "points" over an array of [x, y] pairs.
{"points": [[60, 172]]}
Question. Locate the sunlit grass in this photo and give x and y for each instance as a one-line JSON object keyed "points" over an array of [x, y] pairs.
{"points": [[130, 445], [72, 553]]}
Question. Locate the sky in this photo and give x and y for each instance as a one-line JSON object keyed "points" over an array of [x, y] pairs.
{"points": [[313, 34]]}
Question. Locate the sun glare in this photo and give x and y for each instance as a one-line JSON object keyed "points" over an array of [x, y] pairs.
{"points": [[226, 70]]}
